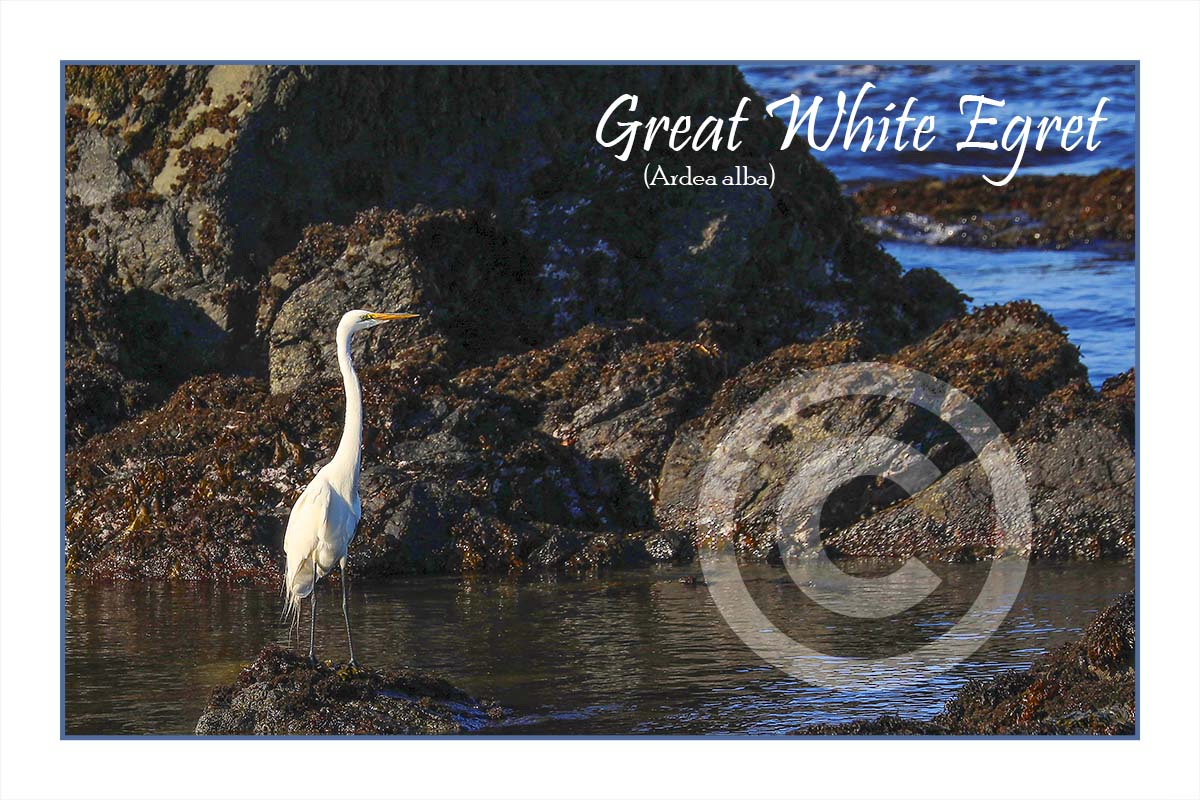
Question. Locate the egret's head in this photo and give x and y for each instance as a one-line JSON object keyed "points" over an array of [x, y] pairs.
{"points": [[359, 320]]}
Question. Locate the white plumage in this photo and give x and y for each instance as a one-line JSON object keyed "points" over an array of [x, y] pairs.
{"points": [[324, 517]]}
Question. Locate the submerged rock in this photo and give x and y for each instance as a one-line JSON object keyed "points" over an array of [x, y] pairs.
{"points": [[1058, 211], [281, 694], [1087, 687]]}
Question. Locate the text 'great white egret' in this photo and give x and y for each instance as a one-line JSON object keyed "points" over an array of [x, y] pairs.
{"points": [[325, 515]]}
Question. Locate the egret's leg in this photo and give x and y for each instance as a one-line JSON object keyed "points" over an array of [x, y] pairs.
{"points": [[346, 615], [312, 630]]}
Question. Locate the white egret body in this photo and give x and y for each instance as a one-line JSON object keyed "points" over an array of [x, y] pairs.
{"points": [[325, 515]]}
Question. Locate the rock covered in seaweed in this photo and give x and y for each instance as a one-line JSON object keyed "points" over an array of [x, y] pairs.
{"points": [[1058, 211], [1079, 469], [571, 455], [1006, 358], [281, 694], [478, 470], [1086, 687]]}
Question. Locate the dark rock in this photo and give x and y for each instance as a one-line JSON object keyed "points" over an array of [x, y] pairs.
{"points": [[98, 396], [1057, 211], [1006, 358], [1086, 687], [473, 285], [224, 199], [884, 725], [281, 694]]}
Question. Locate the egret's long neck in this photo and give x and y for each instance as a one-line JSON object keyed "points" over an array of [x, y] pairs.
{"points": [[350, 448]]}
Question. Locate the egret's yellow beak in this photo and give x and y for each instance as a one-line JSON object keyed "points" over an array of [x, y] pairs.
{"points": [[388, 317]]}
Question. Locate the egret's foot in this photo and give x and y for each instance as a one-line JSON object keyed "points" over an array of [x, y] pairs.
{"points": [[350, 670], [312, 660], [354, 664]]}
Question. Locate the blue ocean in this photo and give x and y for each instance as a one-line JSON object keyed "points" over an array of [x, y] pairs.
{"points": [[1092, 292]]}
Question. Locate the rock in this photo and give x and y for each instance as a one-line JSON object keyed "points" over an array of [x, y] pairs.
{"points": [[1058, 211], [98, 396], [222, 207], [883, 725], [1079, 469], [1086, 687], [1006, 358], [280, 694], [473, 285], [544, 459]]}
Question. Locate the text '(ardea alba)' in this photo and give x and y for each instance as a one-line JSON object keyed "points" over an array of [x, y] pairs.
{"points": [[325, 515]]}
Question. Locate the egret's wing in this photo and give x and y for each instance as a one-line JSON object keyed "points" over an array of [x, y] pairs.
{"points": [[308, 521]]}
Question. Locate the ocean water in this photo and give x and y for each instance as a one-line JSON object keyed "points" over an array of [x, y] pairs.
{"points": [[1090, 291], [1028, 89]]}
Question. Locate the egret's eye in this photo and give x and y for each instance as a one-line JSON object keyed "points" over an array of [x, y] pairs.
{"points": [[365, 317]]}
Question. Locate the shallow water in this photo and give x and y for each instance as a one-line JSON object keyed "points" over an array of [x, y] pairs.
{"points": [[633, 651]]}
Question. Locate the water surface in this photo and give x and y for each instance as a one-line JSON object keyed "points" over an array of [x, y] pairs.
{"points": [[631, 652]]}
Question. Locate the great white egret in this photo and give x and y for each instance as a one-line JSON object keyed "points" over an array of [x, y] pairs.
{"points": [[323, 519]]}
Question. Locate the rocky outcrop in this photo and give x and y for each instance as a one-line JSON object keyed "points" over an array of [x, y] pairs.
{"points": [[219, 209], [1057, 212], [1079, 468], [547, 458], [588, 453], [583, 342], [1006, 358], [281, 694], [1087, 687], [474, 286]]}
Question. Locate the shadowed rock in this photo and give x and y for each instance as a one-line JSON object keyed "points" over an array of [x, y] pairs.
{"points": [[234, 192], [473, 285], [1079, 469], [280, 694]]}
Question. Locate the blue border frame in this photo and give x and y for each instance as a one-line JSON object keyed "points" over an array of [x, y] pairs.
{"points": [[738, 62]]}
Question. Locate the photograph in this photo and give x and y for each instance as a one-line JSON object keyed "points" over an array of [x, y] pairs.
{"points": [[752, 399], [510, 400]]}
